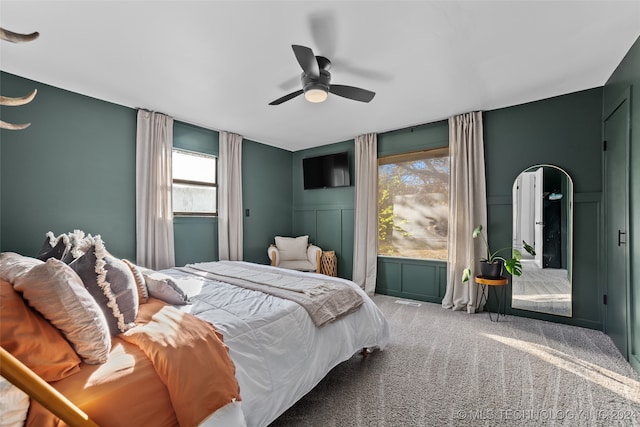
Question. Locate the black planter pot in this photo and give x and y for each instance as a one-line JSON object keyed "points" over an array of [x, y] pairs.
{"points": [[491, 270]]}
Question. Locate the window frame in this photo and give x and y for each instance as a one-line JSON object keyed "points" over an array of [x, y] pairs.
{"points": [[195, 183], [424, 154]]}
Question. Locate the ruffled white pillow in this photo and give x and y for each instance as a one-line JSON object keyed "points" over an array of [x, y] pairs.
{"points": [[57, 292]]}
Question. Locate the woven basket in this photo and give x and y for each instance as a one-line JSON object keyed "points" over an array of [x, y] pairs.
{"points": [[329, 263]]}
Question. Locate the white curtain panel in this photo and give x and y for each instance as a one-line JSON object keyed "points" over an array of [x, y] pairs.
{"points": [[230, 198], [154, 212], [365, 250], [467, 209]]}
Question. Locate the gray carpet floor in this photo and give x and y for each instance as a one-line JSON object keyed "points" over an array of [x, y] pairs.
{"points": [[451, 368]]}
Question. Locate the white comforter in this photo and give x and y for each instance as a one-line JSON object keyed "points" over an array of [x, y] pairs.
{"points": [[278, 353]]}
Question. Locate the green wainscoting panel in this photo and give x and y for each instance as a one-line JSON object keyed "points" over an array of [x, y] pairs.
{"points": [[345, 258], [389, 278], [587, 268], [73, 168], [423, 280], [331, 228], [195, 239], [420, 279]]}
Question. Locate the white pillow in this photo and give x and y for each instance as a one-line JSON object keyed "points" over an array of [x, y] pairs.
{"points": [[13, 265], [57, 292], [162, 287], [292, 248], [14, 405]]}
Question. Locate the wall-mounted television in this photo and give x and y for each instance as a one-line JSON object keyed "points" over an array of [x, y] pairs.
{"points": [[328, 171]]}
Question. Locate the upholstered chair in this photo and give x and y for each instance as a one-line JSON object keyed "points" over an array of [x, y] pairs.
{"points": [[295, 253]]}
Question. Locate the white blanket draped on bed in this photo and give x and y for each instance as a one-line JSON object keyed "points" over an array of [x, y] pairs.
{"points": [[279, 354], [324, 298]]}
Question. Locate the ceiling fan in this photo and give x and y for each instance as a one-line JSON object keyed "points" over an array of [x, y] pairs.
{"points": [[316, 80]]}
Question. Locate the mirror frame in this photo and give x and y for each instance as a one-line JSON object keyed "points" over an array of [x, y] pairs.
{"points": [[569, 242]]}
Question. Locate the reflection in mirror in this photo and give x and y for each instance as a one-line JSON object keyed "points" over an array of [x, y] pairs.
{"points": [[543, 218]]}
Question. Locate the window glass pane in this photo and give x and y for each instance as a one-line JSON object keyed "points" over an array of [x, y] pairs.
{"points": [[194, 166], [413, 206], [189, 198]]}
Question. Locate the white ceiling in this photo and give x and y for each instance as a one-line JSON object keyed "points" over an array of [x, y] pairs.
{"points": [[217, 64]]}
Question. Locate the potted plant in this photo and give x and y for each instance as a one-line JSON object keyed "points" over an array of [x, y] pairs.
{"points": [[491, 265]]}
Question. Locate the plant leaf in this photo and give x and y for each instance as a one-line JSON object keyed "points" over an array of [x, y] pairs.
{"points": [[517, 255], [466, 275], [513, 266], [529, 248]]}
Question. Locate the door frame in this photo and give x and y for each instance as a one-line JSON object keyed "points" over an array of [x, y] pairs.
{"points": [[624, 97]]}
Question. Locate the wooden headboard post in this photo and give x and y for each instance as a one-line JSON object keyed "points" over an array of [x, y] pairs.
{"points": [[41, 391]]}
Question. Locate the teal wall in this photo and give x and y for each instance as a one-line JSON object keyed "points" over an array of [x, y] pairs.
{"points": [[195, 237], [564, 131], [626, 78], [326, 214], [266, 192], [74, 168]]}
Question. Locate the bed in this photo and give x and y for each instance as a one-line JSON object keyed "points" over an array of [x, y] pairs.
{"points": [[277, 349]]}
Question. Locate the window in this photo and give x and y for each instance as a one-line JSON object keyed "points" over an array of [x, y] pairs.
{"points": [[413, 204], [195, 184]]}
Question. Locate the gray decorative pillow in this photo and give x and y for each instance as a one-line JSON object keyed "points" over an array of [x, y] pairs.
{"points": [[141, 285], [55, 291], [79, 243], [13, 265], [163, 287], [112, 285], [54, 247]]}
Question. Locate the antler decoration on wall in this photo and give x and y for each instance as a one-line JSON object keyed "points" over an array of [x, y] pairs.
{"points": [[12, 37]]}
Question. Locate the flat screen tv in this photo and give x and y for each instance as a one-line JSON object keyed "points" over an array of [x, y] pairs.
{"points": [[328, 171]]}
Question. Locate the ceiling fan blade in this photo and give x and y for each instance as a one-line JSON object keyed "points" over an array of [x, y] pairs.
{"points": [[323, 30], [307, 60], [290, 84], [351, 92], [286, 97], [362, 72]]}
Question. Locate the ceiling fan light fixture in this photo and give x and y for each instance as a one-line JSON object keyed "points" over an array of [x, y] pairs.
{"points": [[315, 95]]}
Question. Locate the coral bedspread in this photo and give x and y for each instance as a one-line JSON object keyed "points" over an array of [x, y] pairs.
{"points": [[182, 370]]}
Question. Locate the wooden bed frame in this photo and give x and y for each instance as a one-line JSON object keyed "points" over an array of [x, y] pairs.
{"points": [[38, 389]]}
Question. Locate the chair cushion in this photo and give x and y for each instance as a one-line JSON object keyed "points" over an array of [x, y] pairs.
{"points": [[292, 248], [299, 265]]}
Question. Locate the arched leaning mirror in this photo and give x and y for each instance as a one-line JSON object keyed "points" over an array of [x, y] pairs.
{"points": [[543, 218]]}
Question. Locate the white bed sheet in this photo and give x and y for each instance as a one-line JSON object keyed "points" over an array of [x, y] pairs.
{"points": [[278, 352]]}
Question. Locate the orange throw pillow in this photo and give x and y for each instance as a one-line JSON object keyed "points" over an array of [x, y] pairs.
{"points": [[32, 339]]}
